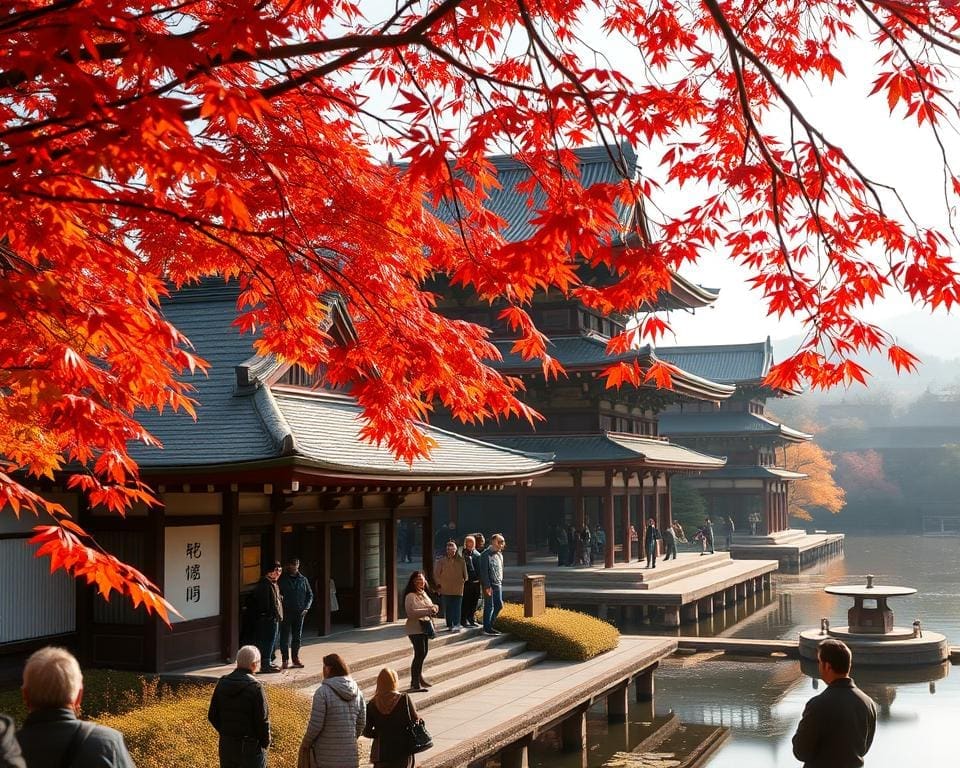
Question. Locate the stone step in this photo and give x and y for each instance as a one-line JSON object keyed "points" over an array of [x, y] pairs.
{"points": [[625, 577], [448, 662], [449, 683], [398, 650]]}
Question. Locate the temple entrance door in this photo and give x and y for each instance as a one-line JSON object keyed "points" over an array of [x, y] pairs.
{"points": [[343, 568]]}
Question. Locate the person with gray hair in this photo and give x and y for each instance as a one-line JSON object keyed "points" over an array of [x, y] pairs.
{"points": [[240, 714], [52, 735]]}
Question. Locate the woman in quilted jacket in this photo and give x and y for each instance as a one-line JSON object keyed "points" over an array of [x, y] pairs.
{"points": [[336, 720]]}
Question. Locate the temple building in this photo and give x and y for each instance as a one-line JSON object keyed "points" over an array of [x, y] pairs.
{"points": [[612, 466], [754, 485], [273, 467]]}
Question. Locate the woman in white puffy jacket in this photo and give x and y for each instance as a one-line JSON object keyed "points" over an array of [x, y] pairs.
{"points": [[336, 720]]}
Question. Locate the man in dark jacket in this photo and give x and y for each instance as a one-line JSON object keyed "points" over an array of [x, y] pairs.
{"points": [[240, 714], [267, 606], [52, 735], [650, 538], [707, 529], [10, 756], [297, 599], [471, 587], [837, 726]]}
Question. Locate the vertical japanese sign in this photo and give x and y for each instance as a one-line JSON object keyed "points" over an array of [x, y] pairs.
{"points": [[192, 570]]}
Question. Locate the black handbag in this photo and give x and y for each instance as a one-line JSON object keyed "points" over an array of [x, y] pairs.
{"points": [[418, 737], [427, 626]]}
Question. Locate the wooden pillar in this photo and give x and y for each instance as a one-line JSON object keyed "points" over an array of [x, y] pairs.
{"points": [[617, 703], [642, 523], [671, 616], [453, 512], [277, 504], [668, 501], [230, 575], [515, 756], [691, 613], [609, 524], [427, 539], [390, 547], [155, 629], [767, 511], [521, 526], [322, 595], [706, 606], [579, 513], [625, 510], [644, 684], [358, 611], [573, 732]]}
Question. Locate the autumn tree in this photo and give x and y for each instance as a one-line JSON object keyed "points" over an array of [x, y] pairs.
{"points": [[818, 490], [146, 144]]}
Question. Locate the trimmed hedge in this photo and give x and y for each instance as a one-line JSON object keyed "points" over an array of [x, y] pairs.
{"points": [[174, 730], [104, 691], [564, 635]]}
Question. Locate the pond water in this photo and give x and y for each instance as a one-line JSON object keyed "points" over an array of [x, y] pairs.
{"points": [[743, 713]]}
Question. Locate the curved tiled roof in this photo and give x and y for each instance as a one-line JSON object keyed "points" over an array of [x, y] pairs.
{"points": [[727, 423], [241, 421], [755, 473], [589, 353], [611, 448], [729, 363]]}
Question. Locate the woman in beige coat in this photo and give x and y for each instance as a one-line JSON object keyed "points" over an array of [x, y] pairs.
{"points": [[420, 611], [451, 573]]}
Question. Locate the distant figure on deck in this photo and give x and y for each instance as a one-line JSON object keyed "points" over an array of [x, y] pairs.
{"points": [[599, 542], [754, 519], [491, 579], [650, 538], [728, 530], [669, 543], [560, 542], [571, 545], [837, 726], [586, 539], [708, 534], [678, 531], [635, 541], [471, 589]]}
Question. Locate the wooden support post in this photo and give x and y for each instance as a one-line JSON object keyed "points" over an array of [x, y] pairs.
{"points": [[718, 601], [322, 597], [691, 613], [617, 704], [427, 540], [741, 591], [625, 511], [573, 732], [730, 595], [609, 525], [230, 575], [706, 606], [390, 548], [515, 756], [671, 616], [644, 685], [521, 526], [751, 586]]}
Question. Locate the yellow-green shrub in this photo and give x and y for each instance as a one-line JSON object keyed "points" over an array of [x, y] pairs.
{"points": [[174, 730], [564, 635]]}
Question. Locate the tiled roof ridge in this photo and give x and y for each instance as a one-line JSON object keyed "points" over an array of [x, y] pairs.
{"points": [[595, 153], [318, 394], [274, 421]]}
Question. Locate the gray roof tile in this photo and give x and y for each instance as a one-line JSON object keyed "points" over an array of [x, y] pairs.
{"points": [[725, 423]]}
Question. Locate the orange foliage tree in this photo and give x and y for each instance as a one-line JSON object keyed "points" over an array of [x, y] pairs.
{"points": [[818, 490], [144, 144]]}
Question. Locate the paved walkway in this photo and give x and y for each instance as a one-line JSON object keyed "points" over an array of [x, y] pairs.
{"points": [[485, 720]]}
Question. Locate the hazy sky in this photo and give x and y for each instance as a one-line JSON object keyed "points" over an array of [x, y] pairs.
{"points": [[889, 148]]}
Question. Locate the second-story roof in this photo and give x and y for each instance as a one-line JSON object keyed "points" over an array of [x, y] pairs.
{"points": [[727, 424]]}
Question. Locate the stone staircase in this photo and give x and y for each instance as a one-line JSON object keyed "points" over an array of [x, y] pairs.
{"points": [[456, 663]]}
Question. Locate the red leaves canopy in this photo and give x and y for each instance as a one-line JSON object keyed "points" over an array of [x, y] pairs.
{"points": [[143, 143]]}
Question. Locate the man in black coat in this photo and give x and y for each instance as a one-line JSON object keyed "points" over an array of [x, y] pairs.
{"points": [[471, 587], [240, 714], [297, 599], [650, 538], [52, 735], [10, 756], [837, 726], [267, 607]]}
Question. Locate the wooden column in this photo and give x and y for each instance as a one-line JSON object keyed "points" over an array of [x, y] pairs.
{"points": [[358, 586], [579, 512], [427, 537], [644, 684], [514, 756], [625, 509], [322, 595], [767, 511], [390, 545], [230, 575], [608, 523], [277, 505], [617, 702], [155, 629], [668, 501], [642, 523], [521, 526]]}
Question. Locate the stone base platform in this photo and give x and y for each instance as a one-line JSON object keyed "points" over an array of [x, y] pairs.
{"points": [[793, 549], [880, 650], [681, 590]]}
